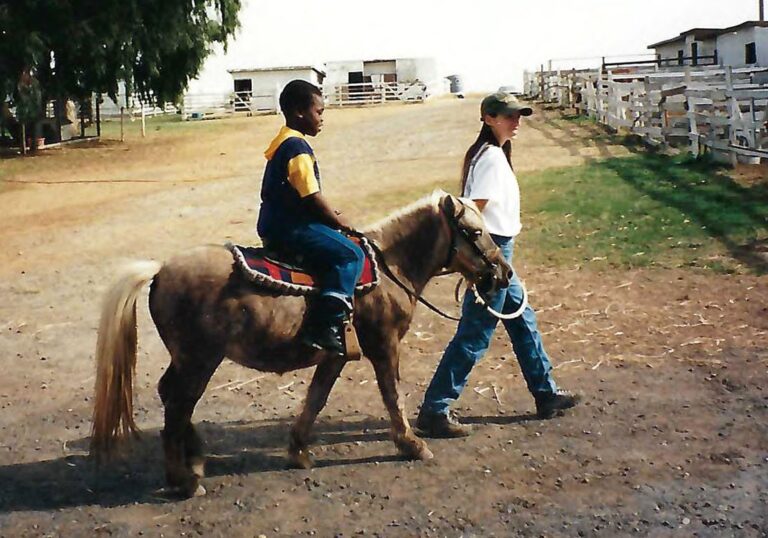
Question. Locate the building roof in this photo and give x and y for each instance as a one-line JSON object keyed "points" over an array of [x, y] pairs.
{"points": [[747, 24], [280, 68], [702, 34], [699, 34]]}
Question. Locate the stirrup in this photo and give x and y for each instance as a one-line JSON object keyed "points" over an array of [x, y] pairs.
{"points": [[351, 343]]}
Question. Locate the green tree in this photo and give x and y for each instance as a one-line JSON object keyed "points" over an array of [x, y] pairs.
{"points": [[75, 47]]}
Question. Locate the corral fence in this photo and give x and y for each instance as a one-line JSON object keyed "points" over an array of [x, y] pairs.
{"points": [[266, 100], [721, 110]]}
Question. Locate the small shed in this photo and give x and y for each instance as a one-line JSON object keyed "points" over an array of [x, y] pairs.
{"points": [[258, 89], [394, 78], [697, 46], [745, 44]]}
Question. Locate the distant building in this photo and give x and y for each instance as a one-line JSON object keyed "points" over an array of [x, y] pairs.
{"points": [[405, 72], [258, 88], [745, 44]]}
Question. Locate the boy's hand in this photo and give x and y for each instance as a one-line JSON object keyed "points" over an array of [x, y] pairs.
{"points": [[322, 210]]}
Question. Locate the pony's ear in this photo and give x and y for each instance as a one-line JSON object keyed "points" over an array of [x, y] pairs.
{"points": [[451, 205]]}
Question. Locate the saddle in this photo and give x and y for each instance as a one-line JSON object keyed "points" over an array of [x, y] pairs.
{"points": [[285, 274], [278, 272]]}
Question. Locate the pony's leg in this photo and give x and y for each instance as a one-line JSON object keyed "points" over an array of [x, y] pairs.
{"points": [[322, 382], [180, 389], [407, 442]]}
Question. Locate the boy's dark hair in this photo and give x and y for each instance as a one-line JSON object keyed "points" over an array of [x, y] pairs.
{"points": [[297, 96]]}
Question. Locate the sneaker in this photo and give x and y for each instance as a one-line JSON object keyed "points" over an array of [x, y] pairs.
{"points": [[552, 404], [439, 425]]}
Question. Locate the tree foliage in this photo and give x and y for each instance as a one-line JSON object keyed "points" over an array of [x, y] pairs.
{"points": [[75, 47]]}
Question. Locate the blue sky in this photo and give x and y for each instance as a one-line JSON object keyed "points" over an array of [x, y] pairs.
{"points": [[487, 42]]}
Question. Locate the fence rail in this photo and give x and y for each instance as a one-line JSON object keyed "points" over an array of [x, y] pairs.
{"points": [[718, 109], [356, 94]]}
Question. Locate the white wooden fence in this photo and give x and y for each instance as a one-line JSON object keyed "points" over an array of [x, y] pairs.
{"points": [[266, 100], [718, 109], [133, 107], [374, 93]]}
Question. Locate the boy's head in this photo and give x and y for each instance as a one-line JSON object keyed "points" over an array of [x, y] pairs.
{"points": [[302, 105]]}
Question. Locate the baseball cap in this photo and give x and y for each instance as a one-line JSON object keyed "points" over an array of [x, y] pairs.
{"points": [[504, 104]]}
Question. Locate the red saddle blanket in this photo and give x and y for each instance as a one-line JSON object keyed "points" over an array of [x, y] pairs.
{"points": [[260, 266]]}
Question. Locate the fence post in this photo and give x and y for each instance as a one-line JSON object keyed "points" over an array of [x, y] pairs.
{"points": [[733, 114], [122, 124], [644, 116], [98, 115], [599, 98], [277, 99], [143, 120], [693, 127]]}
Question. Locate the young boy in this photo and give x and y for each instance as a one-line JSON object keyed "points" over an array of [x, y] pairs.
{"points": [[295, 217]]}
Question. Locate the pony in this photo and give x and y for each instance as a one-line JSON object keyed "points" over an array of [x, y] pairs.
{"points": [[205, 309]]}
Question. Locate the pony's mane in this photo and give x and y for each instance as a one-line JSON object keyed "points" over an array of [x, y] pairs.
{"points": [[431, 200]]}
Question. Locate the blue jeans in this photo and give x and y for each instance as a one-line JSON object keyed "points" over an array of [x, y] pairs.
{"points": [[333, 259], [473, 336]]}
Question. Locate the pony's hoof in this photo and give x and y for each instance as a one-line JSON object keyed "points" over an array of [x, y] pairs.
{"points": [[199, 491], [416, 451], [425, 454], [301, 459]]}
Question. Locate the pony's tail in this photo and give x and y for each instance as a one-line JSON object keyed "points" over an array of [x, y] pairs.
{"points": [[116, 360]]}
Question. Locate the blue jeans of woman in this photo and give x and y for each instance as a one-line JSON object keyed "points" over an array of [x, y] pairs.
{"points": [[473, 336], [334, 259]]}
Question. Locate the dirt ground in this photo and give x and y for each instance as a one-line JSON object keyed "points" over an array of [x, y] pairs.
{"points": [[671, 440]]}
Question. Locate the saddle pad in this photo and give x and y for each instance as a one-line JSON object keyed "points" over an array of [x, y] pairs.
{"points": [[275, 275]]}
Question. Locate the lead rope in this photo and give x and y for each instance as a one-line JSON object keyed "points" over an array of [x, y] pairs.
{"points": [[410, 293], [478, 299]]}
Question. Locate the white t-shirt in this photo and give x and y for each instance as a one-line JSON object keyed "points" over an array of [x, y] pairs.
{"points": [[491, 178]]}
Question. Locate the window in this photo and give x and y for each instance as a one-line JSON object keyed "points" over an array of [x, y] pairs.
{"points": [[680, 57], [694, 53], [750, 53]]}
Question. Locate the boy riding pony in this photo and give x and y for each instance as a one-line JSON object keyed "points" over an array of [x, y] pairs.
{"points": [[296, 219]]}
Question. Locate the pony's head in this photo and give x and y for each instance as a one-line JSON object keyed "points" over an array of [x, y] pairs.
{"points": [[473, 253]]}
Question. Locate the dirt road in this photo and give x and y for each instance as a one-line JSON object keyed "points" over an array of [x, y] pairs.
{"points": [[672, 439]]}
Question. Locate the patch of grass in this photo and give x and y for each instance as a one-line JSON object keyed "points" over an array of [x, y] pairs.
{"points": [[580, 119], [167, 123], [640, 211]]}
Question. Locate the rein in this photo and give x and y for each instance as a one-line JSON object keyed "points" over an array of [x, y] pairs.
{"points": [[407, 290]]}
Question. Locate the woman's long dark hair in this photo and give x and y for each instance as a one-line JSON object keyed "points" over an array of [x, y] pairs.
{"points": [[486, 136]]}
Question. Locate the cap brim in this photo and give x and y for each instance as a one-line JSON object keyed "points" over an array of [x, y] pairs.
{"points": [[523, 111]]}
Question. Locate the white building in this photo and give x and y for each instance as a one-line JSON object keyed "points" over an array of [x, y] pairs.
{"points": [[399, 78], [258, 89], [745, 44], [688, 48]]}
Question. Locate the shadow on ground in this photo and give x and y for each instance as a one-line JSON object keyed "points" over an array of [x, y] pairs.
{"points": [[727, 211], [233, 448]]}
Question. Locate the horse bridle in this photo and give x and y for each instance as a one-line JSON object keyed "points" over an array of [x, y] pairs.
{"points": [[453, 252], [453, 224]]}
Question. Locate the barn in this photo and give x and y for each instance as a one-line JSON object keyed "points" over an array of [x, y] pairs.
{"points": [[407, 79], [693, 47], [745, 44], [257, 89]]}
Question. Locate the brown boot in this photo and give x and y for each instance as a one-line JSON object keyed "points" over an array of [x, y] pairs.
{"points": [[323, 325], [553, 404], [439, 425]]}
